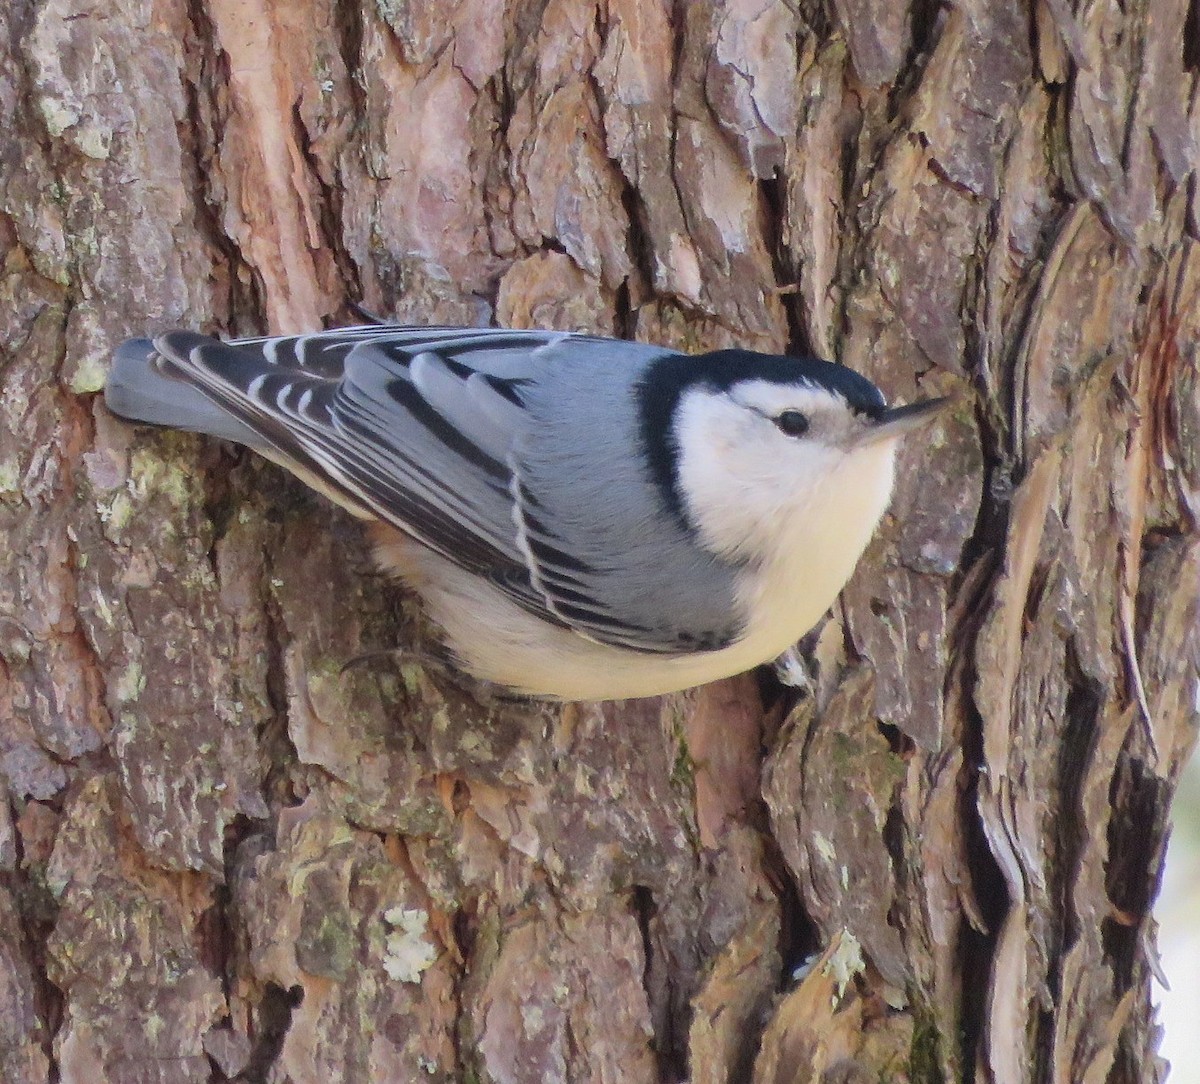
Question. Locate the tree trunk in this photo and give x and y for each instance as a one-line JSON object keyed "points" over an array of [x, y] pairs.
{"points": [[227, 855]]}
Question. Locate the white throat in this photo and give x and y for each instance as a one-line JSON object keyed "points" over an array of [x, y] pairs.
{"points": [[799, 521]]}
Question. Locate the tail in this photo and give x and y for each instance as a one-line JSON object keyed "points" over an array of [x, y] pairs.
{"points": [[141, 388]]}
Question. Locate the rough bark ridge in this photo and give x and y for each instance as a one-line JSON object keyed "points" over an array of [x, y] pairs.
{"points": [[225, 858]]}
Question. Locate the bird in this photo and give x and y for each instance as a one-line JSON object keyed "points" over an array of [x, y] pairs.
{"points": [[584, 518]]}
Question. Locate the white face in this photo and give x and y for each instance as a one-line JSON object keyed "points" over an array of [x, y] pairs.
{"points": [[751, 487]]}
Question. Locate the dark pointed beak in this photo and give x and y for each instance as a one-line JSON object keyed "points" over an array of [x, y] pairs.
{"points": [[896, 422]]}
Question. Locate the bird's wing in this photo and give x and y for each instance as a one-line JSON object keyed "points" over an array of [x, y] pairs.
{"points": [[423, 428]]}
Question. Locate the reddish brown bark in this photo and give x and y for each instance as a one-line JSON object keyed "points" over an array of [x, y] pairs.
{"points": [[227, 857]]}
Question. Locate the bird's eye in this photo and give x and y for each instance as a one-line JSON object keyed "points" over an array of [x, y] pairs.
{"points": [[792, 423]]}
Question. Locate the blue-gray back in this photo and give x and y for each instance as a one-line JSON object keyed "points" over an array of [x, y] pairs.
{"points": [[514, 454]]}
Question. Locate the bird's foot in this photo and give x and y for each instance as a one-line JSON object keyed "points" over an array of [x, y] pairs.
{"points": [[792, 671]]}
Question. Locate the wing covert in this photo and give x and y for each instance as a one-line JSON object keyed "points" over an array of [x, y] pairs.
{"points": [[426, 428]]}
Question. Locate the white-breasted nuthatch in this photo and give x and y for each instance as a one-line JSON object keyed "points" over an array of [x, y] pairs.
{"points": [[585, 518]]}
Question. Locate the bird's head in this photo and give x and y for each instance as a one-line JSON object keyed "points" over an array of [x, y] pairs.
{"points": [[757, 450]]}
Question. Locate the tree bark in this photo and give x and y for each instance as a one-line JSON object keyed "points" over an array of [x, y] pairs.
{"points": [[227, 855]]}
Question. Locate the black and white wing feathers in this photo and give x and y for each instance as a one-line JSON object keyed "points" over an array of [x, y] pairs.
{"points": [[423, 428]]}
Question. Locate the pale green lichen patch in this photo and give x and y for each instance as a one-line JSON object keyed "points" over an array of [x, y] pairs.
{"points": [[408, 952], [150, 473], [154, 1025], [475, 745], [10, 476], [57, 115], [131, 683], [533, 1018], [94, 142], [115, 514], [328, 947], [412, 673], [86, 242], [90, 374], [198, 578]]}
